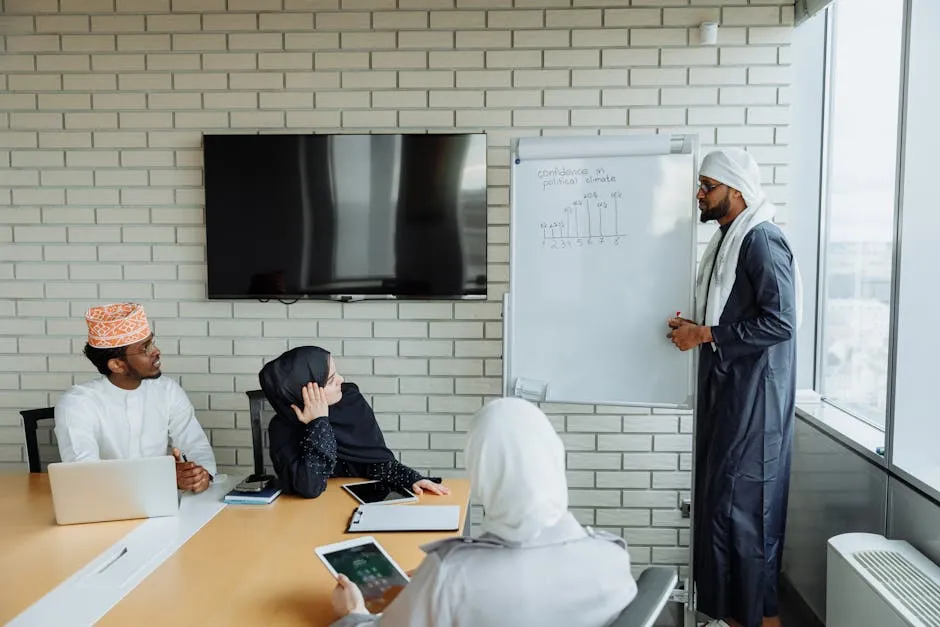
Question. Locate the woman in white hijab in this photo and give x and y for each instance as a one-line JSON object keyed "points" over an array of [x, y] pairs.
{"points": [[534, 565]]}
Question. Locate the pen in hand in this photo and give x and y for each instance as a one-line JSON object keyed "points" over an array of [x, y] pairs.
{"points": [[190, 475]]}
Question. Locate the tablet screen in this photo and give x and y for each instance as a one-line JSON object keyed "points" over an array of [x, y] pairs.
{"points": [[377, 492], [368, 568]]}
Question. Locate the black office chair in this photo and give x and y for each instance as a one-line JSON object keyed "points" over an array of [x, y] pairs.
{"points": [[31, 418], [256, 403]]}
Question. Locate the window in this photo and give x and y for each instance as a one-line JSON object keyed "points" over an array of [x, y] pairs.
{"points": [[913, 417], [859, 204]]}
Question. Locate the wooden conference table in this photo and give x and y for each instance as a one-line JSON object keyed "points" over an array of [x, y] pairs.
{"points": [[249, 565], [36, 555]]}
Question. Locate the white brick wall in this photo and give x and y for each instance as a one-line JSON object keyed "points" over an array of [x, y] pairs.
{"points": [[102, 107]]}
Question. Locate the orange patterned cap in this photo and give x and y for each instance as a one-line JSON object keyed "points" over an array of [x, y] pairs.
{"points": [[120, 324]]}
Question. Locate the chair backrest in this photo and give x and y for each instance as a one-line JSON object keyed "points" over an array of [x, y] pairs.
{"points": [[257, 406], [31, 418], [654, 586]]}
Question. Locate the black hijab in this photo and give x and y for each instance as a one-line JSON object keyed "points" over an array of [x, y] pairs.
{"points": [[358, 436]]}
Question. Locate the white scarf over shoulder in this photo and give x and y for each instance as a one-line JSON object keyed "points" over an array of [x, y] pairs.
{"points": [[738, 170]]}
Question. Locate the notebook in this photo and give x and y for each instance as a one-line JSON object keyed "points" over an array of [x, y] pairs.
{"points": [[265, 496], [404, 518]]}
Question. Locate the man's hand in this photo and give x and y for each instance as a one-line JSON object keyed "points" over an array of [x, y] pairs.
{"points": [[686, 335], [347, 598], [426, 484], [315, 405], [190, 475]]}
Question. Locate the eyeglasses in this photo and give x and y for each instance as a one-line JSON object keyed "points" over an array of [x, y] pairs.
{"points": [[146, 349], [708, 187]]}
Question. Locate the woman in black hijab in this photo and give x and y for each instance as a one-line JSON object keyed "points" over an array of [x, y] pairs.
{"points": [[334, 435]]}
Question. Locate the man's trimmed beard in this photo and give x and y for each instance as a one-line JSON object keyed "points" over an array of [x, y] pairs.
{"points": [[133, 371], [717, 211]]}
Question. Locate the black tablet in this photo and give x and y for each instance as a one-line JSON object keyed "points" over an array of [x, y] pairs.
{"points": [[378, 492]]}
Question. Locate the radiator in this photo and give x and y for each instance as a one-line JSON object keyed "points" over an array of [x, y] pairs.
{"points": [[875, 582]]}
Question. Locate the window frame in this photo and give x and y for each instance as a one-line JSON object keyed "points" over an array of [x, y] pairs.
{"points": [[823, 279], [916, 466]]}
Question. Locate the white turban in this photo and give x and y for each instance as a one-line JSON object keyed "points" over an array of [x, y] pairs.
{"points": [[516, 464], [736, 169]]}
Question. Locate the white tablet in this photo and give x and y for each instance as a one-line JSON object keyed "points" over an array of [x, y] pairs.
{"points": [[378, 493], [368, 566]]}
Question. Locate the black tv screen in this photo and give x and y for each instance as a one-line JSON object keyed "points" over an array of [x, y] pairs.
{"points": [[336, 216]]}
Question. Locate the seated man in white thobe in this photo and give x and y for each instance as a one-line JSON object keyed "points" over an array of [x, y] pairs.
{"points": [[131, 411]]}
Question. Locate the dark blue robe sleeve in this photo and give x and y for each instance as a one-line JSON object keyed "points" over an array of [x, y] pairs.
{"points": [[767, 263]]}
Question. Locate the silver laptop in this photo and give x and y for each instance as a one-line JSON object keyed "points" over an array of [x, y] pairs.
{"points": [[113, 489]]}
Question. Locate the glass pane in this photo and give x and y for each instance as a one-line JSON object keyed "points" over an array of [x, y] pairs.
{"points": [[863, 146]]}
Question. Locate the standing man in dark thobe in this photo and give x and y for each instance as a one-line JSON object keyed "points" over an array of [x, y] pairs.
{"points": [[747, 310]]}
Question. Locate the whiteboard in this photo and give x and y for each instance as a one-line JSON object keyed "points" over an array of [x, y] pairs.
{"points": [[602, 253]]}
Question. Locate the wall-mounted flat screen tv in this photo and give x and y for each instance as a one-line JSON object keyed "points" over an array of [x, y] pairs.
{"points": [[346, 216]]}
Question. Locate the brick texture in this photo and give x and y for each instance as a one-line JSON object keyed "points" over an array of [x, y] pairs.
{"points": [[101, 114]]}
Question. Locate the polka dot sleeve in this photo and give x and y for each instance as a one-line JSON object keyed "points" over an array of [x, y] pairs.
{"points": [[318, 458]]}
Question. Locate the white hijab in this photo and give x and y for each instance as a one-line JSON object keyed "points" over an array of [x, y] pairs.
{"points": [[516, 463], [736, 169]]}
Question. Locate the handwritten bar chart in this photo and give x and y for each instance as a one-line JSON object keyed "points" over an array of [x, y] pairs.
{"points": [[589, 217]]}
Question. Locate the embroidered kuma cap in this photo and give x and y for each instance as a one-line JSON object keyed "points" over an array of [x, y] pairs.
{"points": [[116, 325]]}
